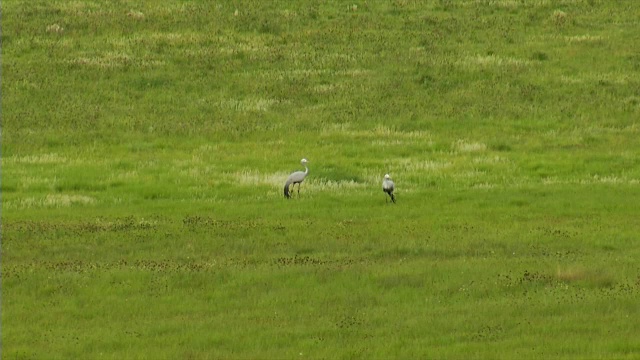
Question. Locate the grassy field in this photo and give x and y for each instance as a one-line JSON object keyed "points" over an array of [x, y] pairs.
{"points": [[145, 145]]}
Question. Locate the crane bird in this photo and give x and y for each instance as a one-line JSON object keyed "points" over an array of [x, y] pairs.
{"points": [[296, 178], [388, 186]]}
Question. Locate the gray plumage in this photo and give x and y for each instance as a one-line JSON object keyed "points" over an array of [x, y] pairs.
{"points": [[388, 186], [296, 178]]}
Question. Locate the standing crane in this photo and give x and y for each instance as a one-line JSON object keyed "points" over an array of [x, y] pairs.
{"points": [[388, 186], [296, 178]]}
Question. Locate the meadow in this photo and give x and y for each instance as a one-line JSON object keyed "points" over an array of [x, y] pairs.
{"points": [[145, 146]]}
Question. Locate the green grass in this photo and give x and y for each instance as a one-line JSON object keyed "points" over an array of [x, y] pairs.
{"points": [[145, 146]]}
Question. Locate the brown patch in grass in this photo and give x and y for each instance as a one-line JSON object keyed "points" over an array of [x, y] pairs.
{"points": [[135, 15], [55, 29], [585, 276]]}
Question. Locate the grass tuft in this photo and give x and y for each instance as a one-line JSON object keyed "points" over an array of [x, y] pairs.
{"points": [[585, 276]]}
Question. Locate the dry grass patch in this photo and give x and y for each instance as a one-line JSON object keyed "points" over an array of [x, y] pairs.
{"points": [[592, 180], [479, 62], [390, 142], [256, 178], [412, 165], [381, 130], [315, 185], [35, 182], [607, 179], [379, 133], [115, 59], [583, 275], [465, 146], [326, 88], [559, 18], [491, 160], [136, 15], [250, 104], [584, 39], [483, 186], [169, 38], [49, 201], [78, 8], [508, 4], [512, 4], [51, 158], [55, 29]]}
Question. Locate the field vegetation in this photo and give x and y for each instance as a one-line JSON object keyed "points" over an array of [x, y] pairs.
{"points": [[145, 145]]}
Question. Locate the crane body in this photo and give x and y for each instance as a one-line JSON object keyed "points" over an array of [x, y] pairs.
{"points": [[295, 178], [388, 186]]}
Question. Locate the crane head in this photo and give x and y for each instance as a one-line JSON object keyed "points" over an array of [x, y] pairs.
{"points": [[386, 176], [303, 161]]}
